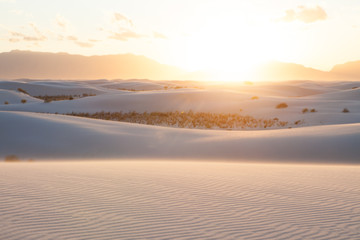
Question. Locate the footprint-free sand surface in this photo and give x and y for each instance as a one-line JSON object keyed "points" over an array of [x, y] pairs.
{"points": [[178, 200]]}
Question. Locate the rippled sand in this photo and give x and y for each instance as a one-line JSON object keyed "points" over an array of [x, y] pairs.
{"points": [[178, 200]]}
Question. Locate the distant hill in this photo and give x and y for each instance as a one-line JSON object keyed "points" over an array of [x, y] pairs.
{"points": [[38, 65], [278, 71], [26, 64], [348, 70]]}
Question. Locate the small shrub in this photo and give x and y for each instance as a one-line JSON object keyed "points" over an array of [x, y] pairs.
{"points": [[345, 110], [47, 100], [282, 105], [11, 158], [23, 91], [23, 101], [254, 98], [305, 110], [6, 102], [71, 98], [313, 110], [297, 122], [276, 119], [355, 87]]}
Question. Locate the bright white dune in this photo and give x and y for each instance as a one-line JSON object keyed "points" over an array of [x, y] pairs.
{"points": [[34, 135], [176, 183], [51, 87], [134, 85], [15, 97], [178, 200], [328, 99]]}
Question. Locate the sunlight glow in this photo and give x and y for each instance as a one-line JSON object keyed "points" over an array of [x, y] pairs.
{"points": [[230, 52]]}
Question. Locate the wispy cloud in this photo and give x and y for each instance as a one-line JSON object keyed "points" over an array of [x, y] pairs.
{"points": [[159, 35], [72, 38], [84, 44], [61, 22], [36, 36], [125, 35], [117, 17], [122, 28], [75, 40], [304, 14]]}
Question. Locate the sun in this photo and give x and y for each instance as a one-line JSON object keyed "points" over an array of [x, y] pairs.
{"points": [[231, 52]]}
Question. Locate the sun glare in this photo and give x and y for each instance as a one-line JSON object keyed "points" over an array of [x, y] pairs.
{"points": [[230, 52]]}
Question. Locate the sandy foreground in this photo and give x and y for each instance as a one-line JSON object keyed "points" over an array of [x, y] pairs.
{"points": [[178, 200]]}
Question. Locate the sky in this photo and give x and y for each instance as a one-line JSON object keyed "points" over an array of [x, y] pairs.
{"points": [[220, 35]]}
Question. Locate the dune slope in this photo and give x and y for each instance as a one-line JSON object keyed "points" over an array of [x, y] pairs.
{"points": [[35, 135]]}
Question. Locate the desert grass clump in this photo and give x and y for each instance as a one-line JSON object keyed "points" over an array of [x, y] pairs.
{"points": [[6, 102], [23, 101], [254, 98], [282, 105], [305, 110], [23, 91], [345, 110], [313, 110], [11, 158], [297, 122]]}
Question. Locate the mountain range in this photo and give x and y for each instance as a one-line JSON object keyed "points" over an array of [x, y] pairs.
{"points": [[39, 65]]}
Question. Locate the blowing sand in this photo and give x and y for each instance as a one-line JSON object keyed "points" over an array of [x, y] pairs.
{"points": [[178, 200]]}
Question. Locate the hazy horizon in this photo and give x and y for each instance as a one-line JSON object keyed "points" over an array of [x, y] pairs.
{"points": [[18, 64]]}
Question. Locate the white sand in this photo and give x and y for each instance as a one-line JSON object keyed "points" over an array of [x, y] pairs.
{"points": [[328, 135], [178, 200], [38, 136], [327, 98]]}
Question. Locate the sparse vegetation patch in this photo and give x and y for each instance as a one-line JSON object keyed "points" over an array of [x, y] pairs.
{"points": [[282, 105], [11, 158], [23, 91], [297, 122], [48, 99], [188, 119], [345, 110]]}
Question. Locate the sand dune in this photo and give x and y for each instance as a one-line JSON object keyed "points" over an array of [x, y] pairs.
{"points": [[39, 136], [327, 98], [51, 87], [175, 183], [178, 200], [15, 97]]}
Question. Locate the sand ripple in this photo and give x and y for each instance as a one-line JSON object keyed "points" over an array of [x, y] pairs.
{"points": [[178, 200]]}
